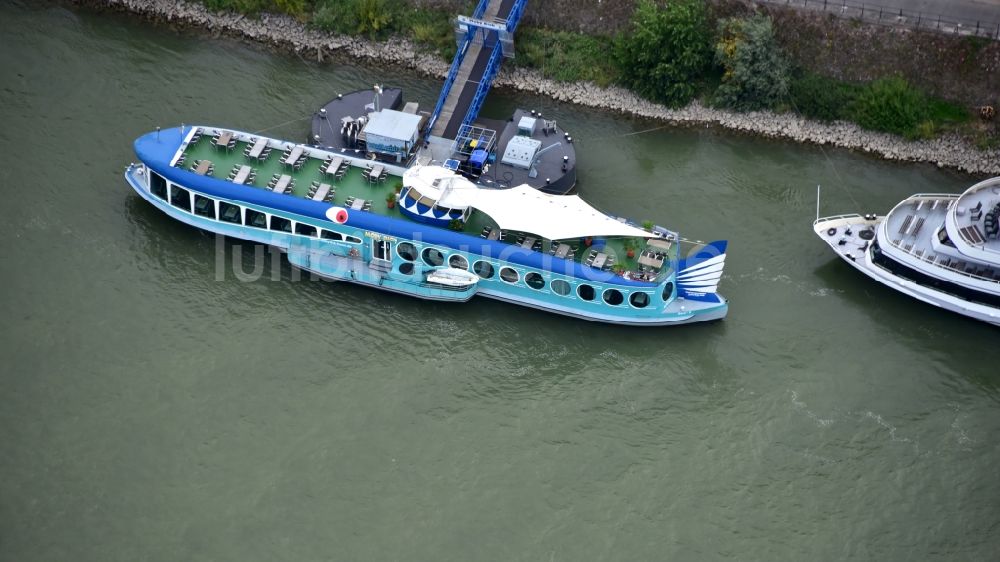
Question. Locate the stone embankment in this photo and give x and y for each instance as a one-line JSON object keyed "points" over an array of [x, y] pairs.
{"points": [[286, 33]]}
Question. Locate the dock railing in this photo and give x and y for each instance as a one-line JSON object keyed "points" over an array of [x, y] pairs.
{"points": [[898, 17]]}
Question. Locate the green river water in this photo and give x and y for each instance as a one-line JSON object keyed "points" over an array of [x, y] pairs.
{"points": [[157, 407]]}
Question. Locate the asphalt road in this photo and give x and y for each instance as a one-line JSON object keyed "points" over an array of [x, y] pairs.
{"points": [[971, 10]]}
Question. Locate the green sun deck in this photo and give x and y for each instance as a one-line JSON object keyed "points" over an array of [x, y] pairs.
{"points": [[355, 185]]}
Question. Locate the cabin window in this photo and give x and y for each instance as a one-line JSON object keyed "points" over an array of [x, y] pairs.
{"points": [[483, 269], [668, 291], [352, 239], [613, 297], [406, 251], [406, 268], [203, 206], [256, 219], [639, 300], [458, 262], [305, 229], [381, 250], [330, 235], [158, 185], [509, 275], [585, 292], [281, 224], [180, 198], [229, 212], [433, 257], [560, 287], [534, 281]]}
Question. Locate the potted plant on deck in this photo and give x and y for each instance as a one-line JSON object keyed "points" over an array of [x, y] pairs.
{"points": [[630, 247], [390, 200]]}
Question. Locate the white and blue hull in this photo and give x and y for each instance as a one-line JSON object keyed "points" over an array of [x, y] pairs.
{"points": [[402, 256], [333, 260]]}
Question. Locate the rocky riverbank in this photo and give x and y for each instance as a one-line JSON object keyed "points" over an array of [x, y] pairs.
{"points": [[288, 34]]}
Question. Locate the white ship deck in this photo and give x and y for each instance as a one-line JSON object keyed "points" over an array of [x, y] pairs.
{"points": [[914, 233], [974, 223]]}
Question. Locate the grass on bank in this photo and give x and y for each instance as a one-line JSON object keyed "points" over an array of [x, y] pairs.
{"points": [[670, 55]]}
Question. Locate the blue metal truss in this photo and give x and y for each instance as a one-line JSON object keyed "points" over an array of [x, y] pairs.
{"points": [[492, 67]]}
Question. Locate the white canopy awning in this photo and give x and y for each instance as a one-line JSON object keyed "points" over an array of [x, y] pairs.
{"points": [[522, 208]]}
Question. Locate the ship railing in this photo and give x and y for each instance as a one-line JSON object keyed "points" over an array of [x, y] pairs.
{"points": [[837, 217], [931, 196], [929, 258], [448, 82]]}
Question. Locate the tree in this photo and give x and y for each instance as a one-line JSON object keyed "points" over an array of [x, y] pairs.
{"points": [[756, 70], [668, 50]]}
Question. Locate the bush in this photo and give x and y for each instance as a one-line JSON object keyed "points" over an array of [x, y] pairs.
{"points": [[822, 98], [298, 8], [251, 7], [756, 70], [372, 17], [668, 50], [891, 105], [433, 29], [565, 56]]}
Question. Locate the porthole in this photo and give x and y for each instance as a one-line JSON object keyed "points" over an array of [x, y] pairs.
{"points": [[586, 292], [406, 251], [406, 268], [639, 300], [560, 287], [668, 291], [458, 262], [483, 269], [613, 297], [509, 275], [433, 257], [534, 281]]}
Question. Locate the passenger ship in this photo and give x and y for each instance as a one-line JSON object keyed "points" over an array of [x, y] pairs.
{"points": [[943, 249], [426, 231]]}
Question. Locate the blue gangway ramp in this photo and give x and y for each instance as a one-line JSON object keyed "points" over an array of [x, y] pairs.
{"points": [[483, 40]]}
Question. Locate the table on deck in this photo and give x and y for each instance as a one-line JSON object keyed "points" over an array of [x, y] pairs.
{"points": [[283, 182], [258, 148], [203, 167], [494, 234], [334, 165], [294, 156], [321, 192], [529, 242], [376, 172], [658, 243], [358, 204], [224, 138], [599, 260], [242, 175], [562, 250], [650, 261]]}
